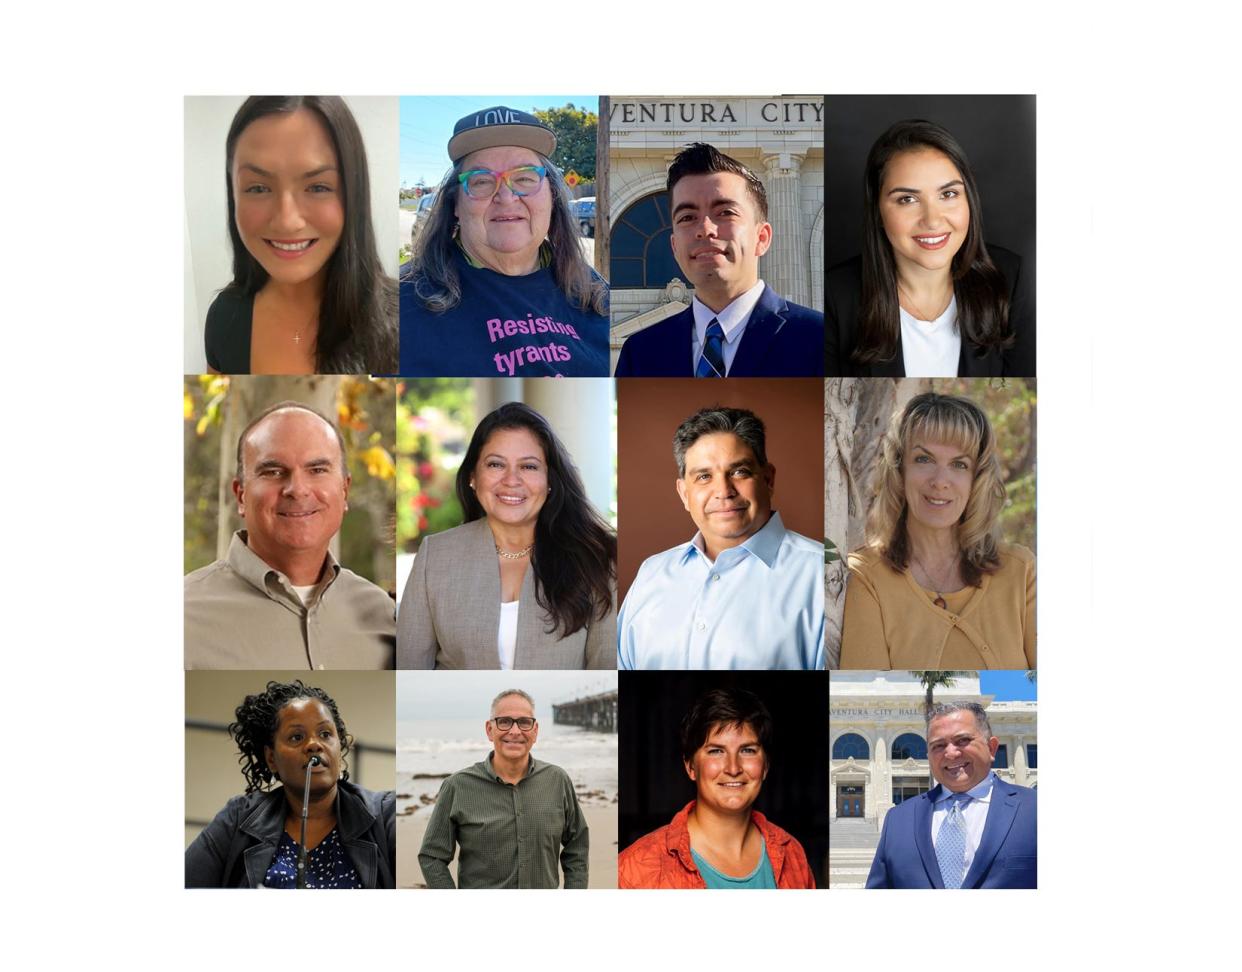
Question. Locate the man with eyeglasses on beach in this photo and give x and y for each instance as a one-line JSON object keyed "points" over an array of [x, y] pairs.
{"points": [[511, 815]]}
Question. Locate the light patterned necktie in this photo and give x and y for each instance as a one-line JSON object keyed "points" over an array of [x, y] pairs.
{"points": [[711, 361], [951, 843]]}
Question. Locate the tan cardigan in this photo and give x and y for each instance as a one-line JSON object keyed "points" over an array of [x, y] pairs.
{"points": [[450, 612], [891, 622]]}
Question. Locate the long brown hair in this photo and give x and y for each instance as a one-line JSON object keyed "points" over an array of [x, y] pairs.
{"points": [[980, 288], [575, 552], [358, 312]]}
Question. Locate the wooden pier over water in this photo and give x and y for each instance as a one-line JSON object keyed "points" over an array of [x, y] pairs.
{"points": [[595, 712]]}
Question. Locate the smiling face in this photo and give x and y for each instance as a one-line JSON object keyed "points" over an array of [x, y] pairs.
{"points": [[725, 490], [729, 768], [938, 479], [506, 230], [287, 191], [512, 745], [305, 728], [960, 752], [294, 494], [718, 236], [511, 478], [924, 210]]}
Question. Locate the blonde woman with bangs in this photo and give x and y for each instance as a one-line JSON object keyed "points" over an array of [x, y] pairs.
{"points": [[934, 587]]}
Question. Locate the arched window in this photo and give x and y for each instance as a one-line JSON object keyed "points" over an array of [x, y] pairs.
{"points": [[641, 255], [909, 746], [851, 745]]}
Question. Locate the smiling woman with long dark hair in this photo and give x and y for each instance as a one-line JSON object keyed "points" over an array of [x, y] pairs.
{"points": [[928, 297], [308, 293], [293, 734], [529, 580]]}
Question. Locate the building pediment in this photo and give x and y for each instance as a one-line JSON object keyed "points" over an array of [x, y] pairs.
{"points": [[674, 298], [851, 770]]}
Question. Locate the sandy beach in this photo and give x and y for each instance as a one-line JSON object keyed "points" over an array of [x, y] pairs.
{"points": [[601, 818], [431, 747]]}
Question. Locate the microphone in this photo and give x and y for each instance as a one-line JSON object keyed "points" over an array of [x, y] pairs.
{"points": [[311, 764]]}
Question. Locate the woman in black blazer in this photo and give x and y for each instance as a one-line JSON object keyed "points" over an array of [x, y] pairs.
{"points": [[927, 297]]}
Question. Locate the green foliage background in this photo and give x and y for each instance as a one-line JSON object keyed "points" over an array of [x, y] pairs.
{"points": [[575, 138], [364, 413], [1010, 404], [435, 419]]}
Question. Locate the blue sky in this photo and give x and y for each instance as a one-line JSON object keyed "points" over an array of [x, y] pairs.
{"points": [[427, 123], [1007, 686]]}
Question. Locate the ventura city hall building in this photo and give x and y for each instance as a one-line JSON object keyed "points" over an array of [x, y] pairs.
{"points": [[781, 139], [879, 755]]}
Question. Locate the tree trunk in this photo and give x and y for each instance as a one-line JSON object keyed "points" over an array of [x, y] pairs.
{"points": [[247, 397], [857, 412], [602, 212]]}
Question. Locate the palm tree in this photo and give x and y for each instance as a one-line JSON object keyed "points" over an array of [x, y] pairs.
{"points": [[933, 680], [930, 682]]}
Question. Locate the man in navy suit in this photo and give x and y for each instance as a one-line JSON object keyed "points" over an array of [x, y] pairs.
{"points": [[736, 324], [972, 830]]}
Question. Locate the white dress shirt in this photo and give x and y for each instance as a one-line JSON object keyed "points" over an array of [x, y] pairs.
{"points": [[974, 813], [732, 320], [506, 636]]}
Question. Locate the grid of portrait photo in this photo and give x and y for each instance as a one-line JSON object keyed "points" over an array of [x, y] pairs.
{"points": [[570, 478]]}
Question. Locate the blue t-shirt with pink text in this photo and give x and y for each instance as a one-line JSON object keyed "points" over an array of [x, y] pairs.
{"points": [[504, 327]]}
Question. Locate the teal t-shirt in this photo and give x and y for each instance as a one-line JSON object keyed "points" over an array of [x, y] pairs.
{"points": [[760, 877]]}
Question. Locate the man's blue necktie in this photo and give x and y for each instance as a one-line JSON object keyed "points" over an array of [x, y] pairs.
{"points": [[951, 843], [711, 361]]}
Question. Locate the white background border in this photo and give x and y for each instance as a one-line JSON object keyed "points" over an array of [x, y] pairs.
{"points": [[1137, 340]]}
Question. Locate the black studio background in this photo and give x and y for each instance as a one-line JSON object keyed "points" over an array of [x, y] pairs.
{"points": [[996, 131], [653, 784]]}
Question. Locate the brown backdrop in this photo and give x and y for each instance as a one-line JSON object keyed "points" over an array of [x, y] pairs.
{"points": [[650, 517]]}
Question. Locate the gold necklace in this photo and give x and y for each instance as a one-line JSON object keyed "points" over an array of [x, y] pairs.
{"points": [[513, 556], [918, 310], [939, 601]]}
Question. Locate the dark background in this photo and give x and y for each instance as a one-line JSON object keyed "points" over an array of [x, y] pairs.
{"points": [[996, 131], [653, 783]]}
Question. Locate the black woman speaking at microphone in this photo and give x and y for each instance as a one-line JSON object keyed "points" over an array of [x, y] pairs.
{"points": [[314, 830]]}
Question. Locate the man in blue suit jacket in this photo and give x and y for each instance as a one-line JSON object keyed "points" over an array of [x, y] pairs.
{"points": [[972, 830], [736, 325]]}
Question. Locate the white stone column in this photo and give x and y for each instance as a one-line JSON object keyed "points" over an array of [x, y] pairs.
{"points": [[880, 793], [784, 267], [1017, 760], [490, 393], [580, 412]]}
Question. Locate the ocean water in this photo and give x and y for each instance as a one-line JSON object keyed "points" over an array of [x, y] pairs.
{"points": [[428, 750]]}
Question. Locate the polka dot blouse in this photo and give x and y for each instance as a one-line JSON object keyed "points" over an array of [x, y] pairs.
{"points": [[327, 865]]}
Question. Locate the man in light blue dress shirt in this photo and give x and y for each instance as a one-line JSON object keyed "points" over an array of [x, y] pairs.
{"points": [[744, 592]]}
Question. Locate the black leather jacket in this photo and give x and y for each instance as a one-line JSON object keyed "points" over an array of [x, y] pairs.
{"points": [[236, 849]]}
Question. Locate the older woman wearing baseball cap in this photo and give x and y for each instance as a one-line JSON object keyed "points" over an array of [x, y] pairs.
{"points": [[498, 286]]}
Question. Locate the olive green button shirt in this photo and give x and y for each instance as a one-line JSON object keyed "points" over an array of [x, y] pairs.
{"points": [[510, 835], [242, 613]]}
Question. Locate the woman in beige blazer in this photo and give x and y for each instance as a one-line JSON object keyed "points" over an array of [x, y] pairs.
{"points": [[529, 580]]}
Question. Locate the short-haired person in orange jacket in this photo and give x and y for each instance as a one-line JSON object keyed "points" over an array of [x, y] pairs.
{"points": [[717, 840]]}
